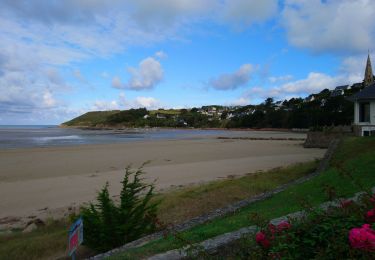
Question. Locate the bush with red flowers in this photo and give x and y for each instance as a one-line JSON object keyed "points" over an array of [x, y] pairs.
{"points": [[370, 216], [342, 232], [363, 238]]}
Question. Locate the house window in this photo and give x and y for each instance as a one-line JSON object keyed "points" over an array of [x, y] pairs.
{"points": [[364, 112]]}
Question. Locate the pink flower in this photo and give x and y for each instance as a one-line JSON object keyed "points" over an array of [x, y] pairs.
{"points": [[362, 238], [272, 228], [285, 225], [370, 216], [262, 240]]}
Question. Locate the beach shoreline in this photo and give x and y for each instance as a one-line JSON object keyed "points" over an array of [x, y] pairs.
{"points": [[45, 182]]}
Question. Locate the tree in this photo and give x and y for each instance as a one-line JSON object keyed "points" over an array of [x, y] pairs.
{"points": [[108, 225]]}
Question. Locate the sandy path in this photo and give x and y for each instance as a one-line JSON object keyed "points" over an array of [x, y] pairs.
{"points": [[35, 179]]}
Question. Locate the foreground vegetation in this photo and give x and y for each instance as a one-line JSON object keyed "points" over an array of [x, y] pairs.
{"points": [[176, 206], [356, 155], [343, 231]]}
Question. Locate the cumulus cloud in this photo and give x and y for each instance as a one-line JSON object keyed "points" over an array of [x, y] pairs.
{"points": [[147, 102], [146, 76], [121, 102], [24, 93], [313, 83], [233, 80], [103, 105], [335, 26]]}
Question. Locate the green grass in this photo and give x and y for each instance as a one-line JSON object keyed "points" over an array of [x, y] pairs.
{"points": [[186, 203], [91, 118], [46, 242], [356, 155], [165, 112]]}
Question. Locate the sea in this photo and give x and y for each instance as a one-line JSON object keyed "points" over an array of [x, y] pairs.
{"points": [[29, 136]]}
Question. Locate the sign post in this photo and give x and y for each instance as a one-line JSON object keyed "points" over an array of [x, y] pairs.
{"points": [[75, 237]]}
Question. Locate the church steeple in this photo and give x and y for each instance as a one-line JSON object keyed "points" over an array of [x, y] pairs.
{"points": [[369, 77]]}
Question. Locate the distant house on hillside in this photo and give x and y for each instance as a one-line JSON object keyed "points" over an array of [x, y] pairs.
{"points": [[339, 90], [161, 116], [364, 105]]}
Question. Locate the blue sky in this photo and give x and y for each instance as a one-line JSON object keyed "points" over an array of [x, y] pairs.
{"points": [[59, 59]]}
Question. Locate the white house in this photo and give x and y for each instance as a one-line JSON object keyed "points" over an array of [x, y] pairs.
{"points": [[364, 111], [364, 105]]}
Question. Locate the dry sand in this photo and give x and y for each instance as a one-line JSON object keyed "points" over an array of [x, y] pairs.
{"points": [[43, 182]]}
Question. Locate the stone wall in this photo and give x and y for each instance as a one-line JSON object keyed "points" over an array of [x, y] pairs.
{"points": [[321, 139]]}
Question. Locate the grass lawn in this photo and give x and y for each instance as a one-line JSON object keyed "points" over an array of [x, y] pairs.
{"points": [[356, 155], [165, 112], [50, 241], [177, 206]]}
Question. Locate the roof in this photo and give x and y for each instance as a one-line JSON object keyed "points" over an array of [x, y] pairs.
{"points": [[342, 87], [368, 93]]}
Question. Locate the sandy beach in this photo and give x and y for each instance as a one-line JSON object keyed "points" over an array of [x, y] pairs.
{"points": [[42, 182]]}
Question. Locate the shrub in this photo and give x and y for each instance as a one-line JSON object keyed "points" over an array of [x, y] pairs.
{"points": [[108, 224], [338, 233]]}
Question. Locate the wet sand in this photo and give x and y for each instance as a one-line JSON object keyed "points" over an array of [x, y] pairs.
{"points": [[43, 181]]}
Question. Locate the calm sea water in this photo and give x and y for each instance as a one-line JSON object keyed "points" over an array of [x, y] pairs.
{"points": [[47, 136]]}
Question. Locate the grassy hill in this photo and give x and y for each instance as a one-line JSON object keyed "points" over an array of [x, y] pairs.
{"points": [[129, 118], [91, 118]]}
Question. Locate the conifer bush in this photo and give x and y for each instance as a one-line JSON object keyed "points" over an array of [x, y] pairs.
{"points": [[108, 224]]}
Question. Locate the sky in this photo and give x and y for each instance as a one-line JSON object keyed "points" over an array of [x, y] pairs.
{"points": [[59, 59]]}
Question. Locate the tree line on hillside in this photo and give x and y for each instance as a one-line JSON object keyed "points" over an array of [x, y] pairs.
{"points": [[317, 110]]}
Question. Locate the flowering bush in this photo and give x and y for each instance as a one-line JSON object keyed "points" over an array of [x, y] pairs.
{"points": [[322, 234], [264, 238], [363, 238], [370, 216]]}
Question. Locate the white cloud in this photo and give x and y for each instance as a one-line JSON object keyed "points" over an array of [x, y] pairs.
{"points": [[121, 102], [116, 82], [147, 102], [280, 78], [48, 99], [148, 74], [241, 101], [313, 83], [354, 68], [243, 13], [102, 105], [330, 26], [233, 80], [160, 55]]}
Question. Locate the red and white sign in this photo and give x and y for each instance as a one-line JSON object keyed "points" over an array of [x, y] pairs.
{"points": [[75, 236]]}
